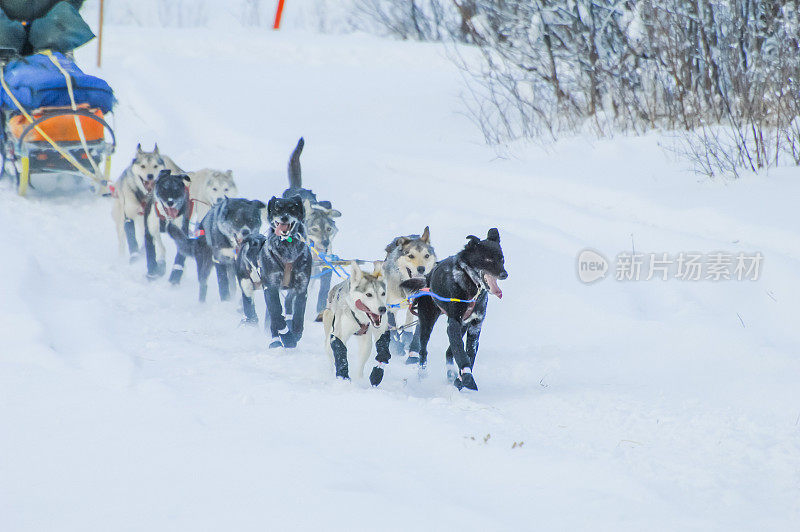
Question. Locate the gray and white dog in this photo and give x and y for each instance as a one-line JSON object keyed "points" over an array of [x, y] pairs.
{"points": [[319, 222], [356, 307], [208, 187], [131, 192], [221, 232], [407, 257]]}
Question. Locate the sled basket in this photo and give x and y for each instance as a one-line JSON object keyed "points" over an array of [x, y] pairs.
{"points": [[57, 125]]}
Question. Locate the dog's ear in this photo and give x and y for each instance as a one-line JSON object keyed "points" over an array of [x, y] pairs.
{"points": [[166, 172], [229, 173], [493, 235], [396, 243], [473, 241], [258, 203], [139, 148], [297, 200], [187, 179], [333, 213], [271, 205], [355, 272], [377, 267], [222, 205], [155, 148], [414, 284], [307, 206], [426, 235]]}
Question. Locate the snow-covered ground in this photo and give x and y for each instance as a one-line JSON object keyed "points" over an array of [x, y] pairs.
{"points": [[125, 405]]}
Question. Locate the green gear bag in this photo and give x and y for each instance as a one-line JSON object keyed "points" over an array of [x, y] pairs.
{"points": [[12, 34], [61, 29], [31, 9]]}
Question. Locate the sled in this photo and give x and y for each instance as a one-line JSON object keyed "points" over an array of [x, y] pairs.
{"points": [[31, 159], [66, 137]]}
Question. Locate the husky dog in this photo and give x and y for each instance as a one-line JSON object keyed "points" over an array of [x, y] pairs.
{"points": [[286, 265], [220, 234], [407, 257], [132, 191], [321, 229], [208, 188], [356, 307], [469, 274], [168, 203], [320, 224], [250, 273]]}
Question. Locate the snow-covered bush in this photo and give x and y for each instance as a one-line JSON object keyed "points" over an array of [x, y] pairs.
{"points": [[555, 66]]}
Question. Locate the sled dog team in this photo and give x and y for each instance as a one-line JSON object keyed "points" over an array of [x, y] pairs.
{"points": [[201, 212]]}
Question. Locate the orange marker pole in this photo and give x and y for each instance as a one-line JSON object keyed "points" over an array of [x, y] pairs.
{"points": [[278, 15], [100, 36]]}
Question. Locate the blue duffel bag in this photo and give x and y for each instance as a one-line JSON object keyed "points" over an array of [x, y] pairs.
{"points": [[36, 82]]}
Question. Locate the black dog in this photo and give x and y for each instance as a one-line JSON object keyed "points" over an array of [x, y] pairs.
{"points": [[296, 179], [286, 264], [320, 222], [250, 273], [469, 274], [169, 203], [220, 233]]}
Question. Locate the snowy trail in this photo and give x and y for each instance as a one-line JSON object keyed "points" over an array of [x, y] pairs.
{"points": [[125, 405]]}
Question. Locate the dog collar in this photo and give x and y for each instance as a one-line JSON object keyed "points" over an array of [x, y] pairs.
{"points": [[363, 326], [163, 213], [477, 282]]}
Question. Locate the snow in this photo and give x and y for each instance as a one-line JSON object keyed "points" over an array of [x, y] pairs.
{"points": [[126, 405]]}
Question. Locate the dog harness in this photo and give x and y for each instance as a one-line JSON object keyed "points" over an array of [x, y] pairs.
{"points": [[164, 216], [470, 302], [287, 274]]}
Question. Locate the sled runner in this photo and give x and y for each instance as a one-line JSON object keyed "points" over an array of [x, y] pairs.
{"points": [[54, 125]]}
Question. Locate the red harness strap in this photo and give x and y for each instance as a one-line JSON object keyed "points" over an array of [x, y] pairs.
{"points": [[469, 311], [163, 215], [465, 316]]}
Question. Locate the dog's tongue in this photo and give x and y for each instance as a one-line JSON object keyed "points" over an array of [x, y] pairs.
{"points": [[493, 288], [281, 229], [375, 318]]}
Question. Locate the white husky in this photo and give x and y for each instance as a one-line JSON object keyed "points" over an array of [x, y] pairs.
{"points": [[209, 186], [131, 192], [357, 306]]}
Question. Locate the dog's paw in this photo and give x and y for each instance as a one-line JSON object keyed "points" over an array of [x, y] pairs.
{"points": [[135, 256], [467, 381], [289, 340], [376, 376], [413, 358], [275, 343], [161, 268], [248, 322], [175, 277], [452, 373]]}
